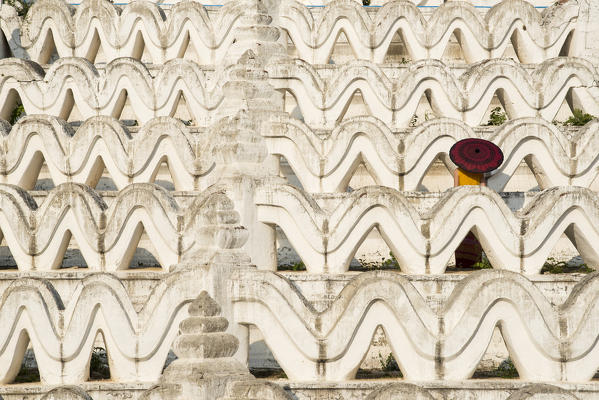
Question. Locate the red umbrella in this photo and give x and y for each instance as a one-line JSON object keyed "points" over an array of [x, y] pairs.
{"points": [[476, 155]]}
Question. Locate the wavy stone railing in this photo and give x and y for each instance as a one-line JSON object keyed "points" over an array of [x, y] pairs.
{"points": [[75, 81], [536, 35], [264, 390], [400, 160], [322, 163], [38, 236], [62, 333], [103, 143], [546, 342], [323, 95], [94, 24], [143, 26], [327, 239], [222, 120]]}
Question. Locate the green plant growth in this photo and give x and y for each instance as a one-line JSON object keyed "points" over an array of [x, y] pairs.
{"points": [[16, 114], [507, 369], [300, 266], [21, 6], [391, 262], [484, 263], [497, 117], [385, 263], [365, 2], [388, 363], [579, 118], [552, 266]]}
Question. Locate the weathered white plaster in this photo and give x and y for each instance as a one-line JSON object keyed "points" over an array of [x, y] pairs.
{"points": [[236, 99], [546, 342]]}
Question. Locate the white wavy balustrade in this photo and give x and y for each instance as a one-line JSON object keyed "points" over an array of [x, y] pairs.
{"points": [[103, 143], [536, 35], [324, 94], [75, 81], [38, 236], [535, 391], [143, 26], [139, 26], [265, 390], [62, 334], [545, 342], [326, 241], [321, 163], [326, 163], [322, 100]]}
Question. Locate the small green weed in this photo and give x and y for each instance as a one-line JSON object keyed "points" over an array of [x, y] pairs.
{"points": [[365, 2], [16, 114], [579, 118], [497, 117], [385, 263], [484, 263], [390, 262], [505, 370], [552, 266], [388, 363], [300, 266]]}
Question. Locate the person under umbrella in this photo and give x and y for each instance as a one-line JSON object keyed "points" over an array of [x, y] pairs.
{"points": [[474, 158]]}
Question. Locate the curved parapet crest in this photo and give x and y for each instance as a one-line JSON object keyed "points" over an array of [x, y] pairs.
{"points": [[447, 344]]}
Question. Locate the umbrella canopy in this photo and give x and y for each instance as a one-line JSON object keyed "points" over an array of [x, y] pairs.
{"points": [[476, 155]]}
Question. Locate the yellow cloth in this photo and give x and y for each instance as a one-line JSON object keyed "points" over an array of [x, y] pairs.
{"points": [[469, 178]]}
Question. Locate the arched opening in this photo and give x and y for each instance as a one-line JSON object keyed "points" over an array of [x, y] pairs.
{"points": [[95, 53], [99, 360], [162, 175], [453, 52], [261, 360], [398, 51], [285, 171], [123, 110], [342, 51], [567, 50], [379, 362], [5, 50], [12, 109], [374, 254], [141, 254], [49, 53], [355, 107], [496, 362], [288, 258], [437, 177], [181, 110], [71, 256]]}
